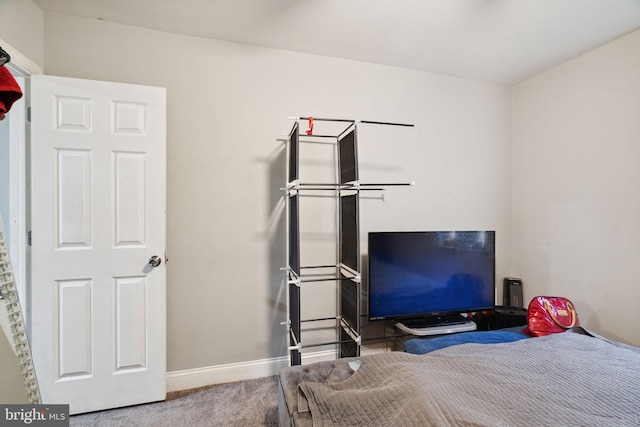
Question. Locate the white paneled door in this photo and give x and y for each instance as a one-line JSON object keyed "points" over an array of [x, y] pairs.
{"points": [[98, 215]]}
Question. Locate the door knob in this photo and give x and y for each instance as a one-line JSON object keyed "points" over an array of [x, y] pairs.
{"points": [[155, 261]]}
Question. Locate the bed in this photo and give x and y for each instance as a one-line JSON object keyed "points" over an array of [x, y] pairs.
{"points": [[575, 378]]}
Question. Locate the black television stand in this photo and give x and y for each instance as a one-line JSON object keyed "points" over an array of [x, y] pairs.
{"points": [[438, 328]]}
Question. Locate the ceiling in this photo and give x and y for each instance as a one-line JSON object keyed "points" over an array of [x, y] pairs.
{"points": [[502, 41]]}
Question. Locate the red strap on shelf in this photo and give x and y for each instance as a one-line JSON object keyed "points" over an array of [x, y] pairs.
{"points": [[310, 130]]}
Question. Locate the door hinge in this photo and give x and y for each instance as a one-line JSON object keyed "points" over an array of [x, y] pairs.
{"points": [[29, 237]]}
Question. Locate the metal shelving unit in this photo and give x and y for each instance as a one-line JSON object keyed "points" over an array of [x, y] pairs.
{"points": [[346, 270]]}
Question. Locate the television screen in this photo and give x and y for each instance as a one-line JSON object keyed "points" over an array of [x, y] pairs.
{"points": [[430, 274]]}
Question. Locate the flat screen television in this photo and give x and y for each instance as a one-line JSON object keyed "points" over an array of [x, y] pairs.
{"points": [[431, 277]]}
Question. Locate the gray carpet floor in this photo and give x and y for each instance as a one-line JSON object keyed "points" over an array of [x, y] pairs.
{"points": [[242, 403]]}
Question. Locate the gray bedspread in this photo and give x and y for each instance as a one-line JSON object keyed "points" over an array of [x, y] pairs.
{"points": [[560, 380]]}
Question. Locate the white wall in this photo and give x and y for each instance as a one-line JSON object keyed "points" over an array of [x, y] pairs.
{"points": [[227, 105], [22, 26], [576, 204]]}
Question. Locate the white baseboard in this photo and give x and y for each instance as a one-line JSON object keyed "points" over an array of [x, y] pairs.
{"points": [[220, 374]]}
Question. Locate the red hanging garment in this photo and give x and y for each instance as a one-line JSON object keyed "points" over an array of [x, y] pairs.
{"points": [[10, 92]]}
